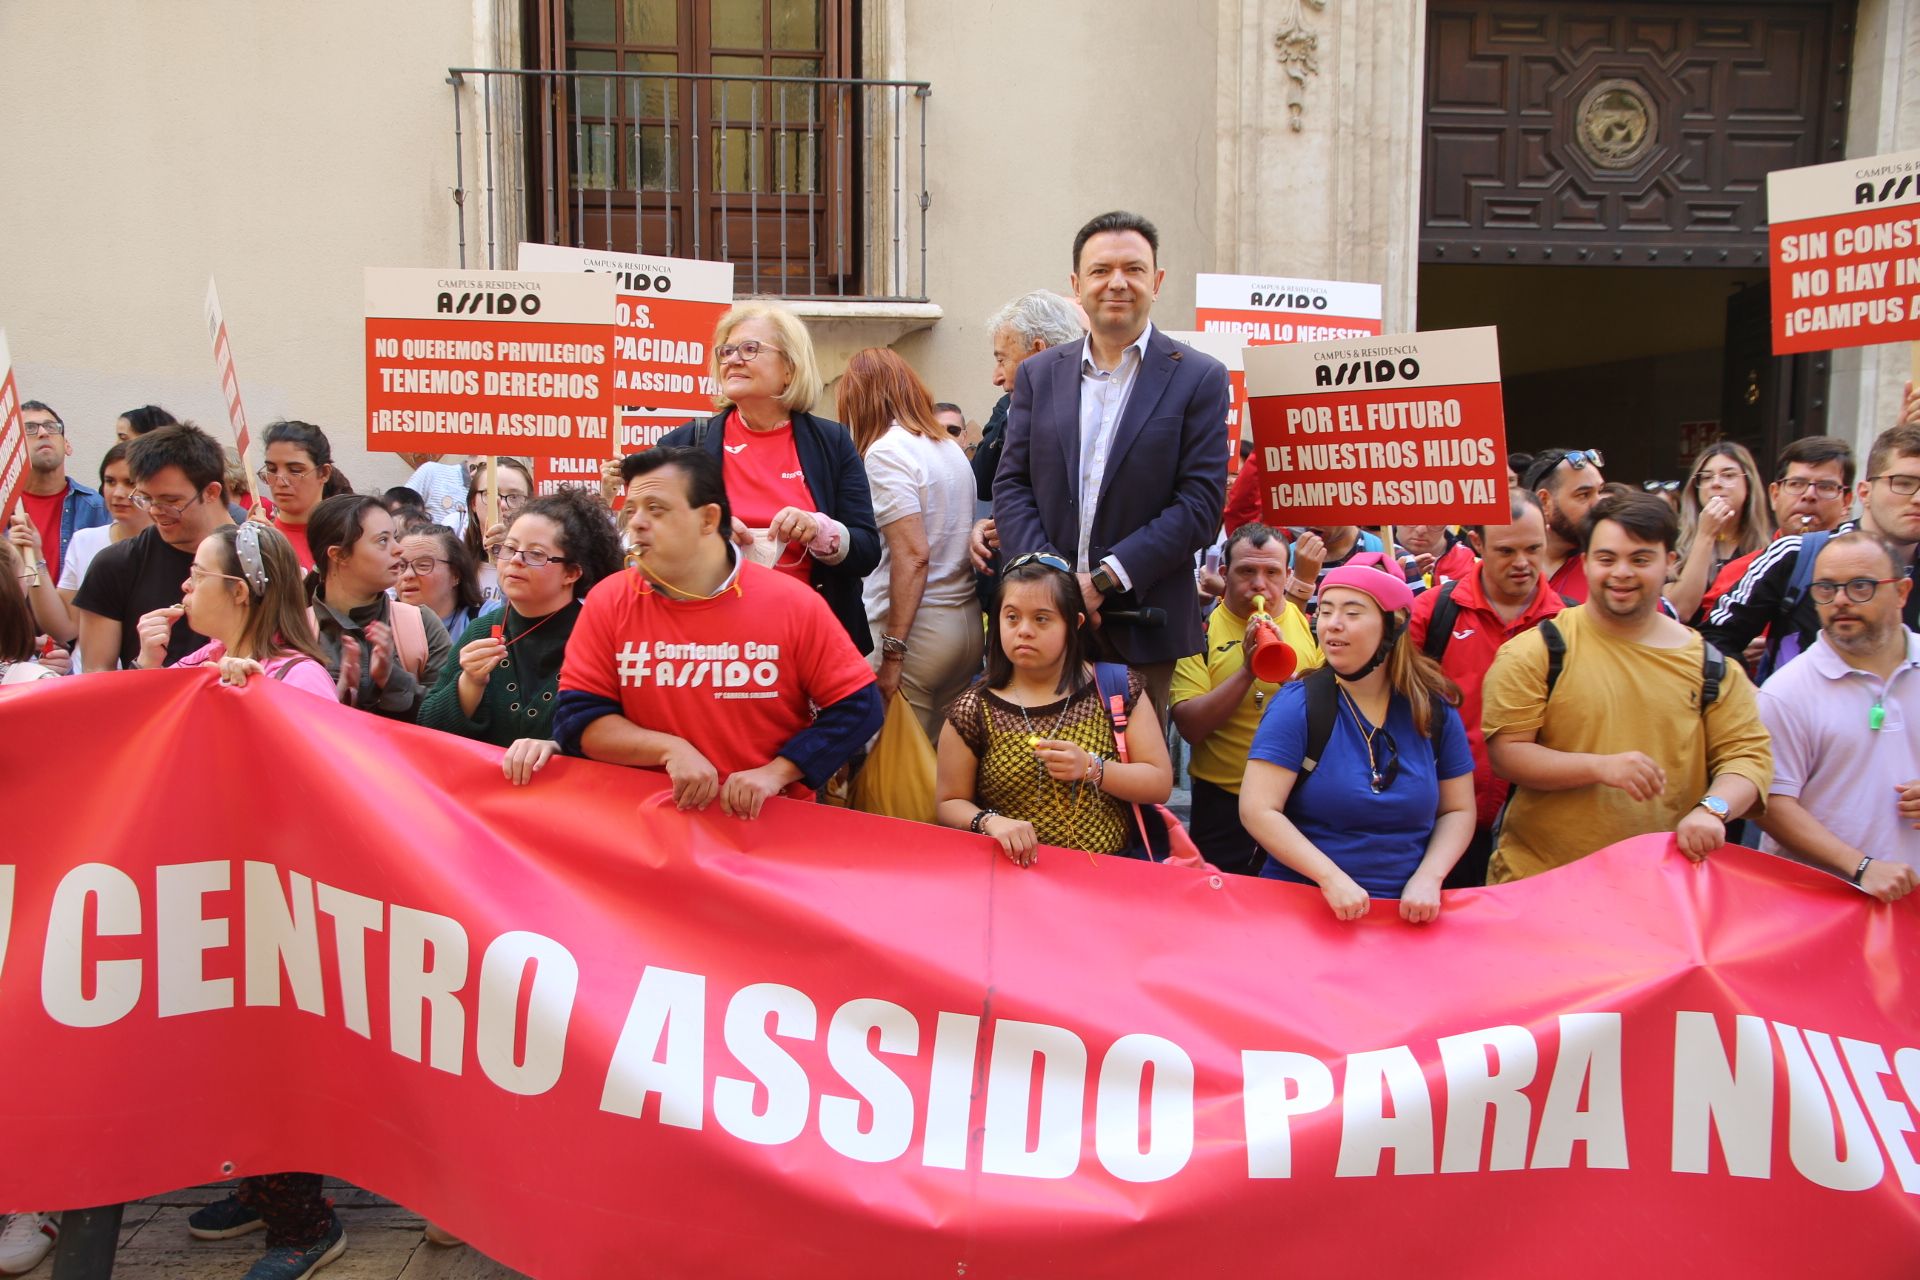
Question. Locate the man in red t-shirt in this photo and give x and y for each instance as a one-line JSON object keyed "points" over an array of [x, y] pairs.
{"points": [[47, 492], [1504, 597], [736, 679]]}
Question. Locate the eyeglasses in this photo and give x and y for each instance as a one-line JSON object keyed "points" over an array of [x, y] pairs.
{"points": [[1726, 475], [1046, 558], [423, 566], [1798, 485], [1904, 485], [44, 428], [749, 350], [164, 510], [1859, 590], [529, 556], [196, 575], [508, 501], [267, 473], [1660, 486]]}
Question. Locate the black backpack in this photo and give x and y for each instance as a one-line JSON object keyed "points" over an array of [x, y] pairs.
{"points": [[1445, 611], [1713, 664]]}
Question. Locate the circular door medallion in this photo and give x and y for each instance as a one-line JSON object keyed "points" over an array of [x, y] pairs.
{"points": [[1616, 124]]}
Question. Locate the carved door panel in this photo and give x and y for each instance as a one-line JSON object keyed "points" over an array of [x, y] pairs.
{"points": [[1622, 134]]}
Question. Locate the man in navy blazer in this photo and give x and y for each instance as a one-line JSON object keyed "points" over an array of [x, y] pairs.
{"points": [[1116, 457]]}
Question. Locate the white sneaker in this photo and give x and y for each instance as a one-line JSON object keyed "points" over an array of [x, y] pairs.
{"points": [[25, 1240]]}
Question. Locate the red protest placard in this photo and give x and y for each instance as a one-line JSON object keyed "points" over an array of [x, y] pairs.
{"points": [[664, 317], [1389, 430], [13, 435], [1843, 250], [489, 362], [639, 429], [1269, 309]]}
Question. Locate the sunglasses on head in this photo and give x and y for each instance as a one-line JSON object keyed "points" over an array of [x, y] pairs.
{"points": [[1660, 486], [1579, 458], [1046, 558]]}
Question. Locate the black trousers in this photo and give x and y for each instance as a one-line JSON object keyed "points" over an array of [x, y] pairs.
{"points": [[1215, 827]]}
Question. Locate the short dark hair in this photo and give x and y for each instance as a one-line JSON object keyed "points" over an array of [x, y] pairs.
{"points": [[183, 445], [402, 496], [148, 417], [337, 522], [706, 486], [1518, 500], [43, 407], [1067, 600], [587, 538], [1902, 441], [1542, 466], [313, 442], [1253, 533], [947, 406], [114, 455], [1813, 451], [1117, 220], [1647, 517], [1518, 462]]}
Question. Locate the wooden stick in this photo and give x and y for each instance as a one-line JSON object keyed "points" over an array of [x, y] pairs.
{"points": [[1386, 535], [493, 493]]}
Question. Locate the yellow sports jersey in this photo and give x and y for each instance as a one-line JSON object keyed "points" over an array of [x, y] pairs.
{"points": [[1222, 758]]}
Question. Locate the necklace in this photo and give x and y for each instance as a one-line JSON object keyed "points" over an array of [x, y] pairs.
{"points": [[648, 577], [1033, 740], [1374, 775], [501, 630]]}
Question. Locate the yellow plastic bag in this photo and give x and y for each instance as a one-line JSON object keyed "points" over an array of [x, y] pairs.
{"points": [[897, 779]]}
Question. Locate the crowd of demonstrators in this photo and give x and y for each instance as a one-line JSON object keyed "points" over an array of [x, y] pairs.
{"points": [[53, 504], [1030, 754], [1217, 699], [1772, 595], [177, 472], [1125, 401], [513, 481], [245, 592], [661, 653], [1464, 623], [298, 475], [795, 482], [1567, 482], [1723, 517], [1433, 555], [1614, 720], [1811, 492], [506, 674], [437, 570], [1845, 724], [920, 601], [1359, 779], [384, 655], [52, 601]]}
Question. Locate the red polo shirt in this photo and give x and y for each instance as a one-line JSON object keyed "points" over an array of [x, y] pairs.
{"points": [[1478, 633], [1570, 581]]}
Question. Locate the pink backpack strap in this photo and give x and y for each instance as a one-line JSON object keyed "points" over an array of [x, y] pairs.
{"points": [[409, 637]]}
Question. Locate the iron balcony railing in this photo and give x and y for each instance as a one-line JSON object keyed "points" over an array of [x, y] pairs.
{"points": [[813, 187]]}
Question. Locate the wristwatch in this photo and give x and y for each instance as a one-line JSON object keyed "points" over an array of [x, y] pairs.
{"points": [[893, 645], [1715, 806], [1104, 582]]}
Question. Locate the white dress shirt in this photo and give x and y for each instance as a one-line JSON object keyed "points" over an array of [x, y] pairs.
{"points": [[1103, 399]]}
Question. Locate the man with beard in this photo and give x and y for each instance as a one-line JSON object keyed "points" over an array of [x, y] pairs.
{"points": [[1567, 482], [1632, 726], [1845, 720]]}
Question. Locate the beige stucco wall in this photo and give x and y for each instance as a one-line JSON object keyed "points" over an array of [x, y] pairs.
{"points": [[278, 147]]}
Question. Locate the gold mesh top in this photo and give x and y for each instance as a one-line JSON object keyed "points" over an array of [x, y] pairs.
{"points": [[1011, 779]]}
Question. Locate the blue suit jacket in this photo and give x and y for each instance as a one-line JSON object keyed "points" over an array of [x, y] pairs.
{"points": [[1159, 500]]}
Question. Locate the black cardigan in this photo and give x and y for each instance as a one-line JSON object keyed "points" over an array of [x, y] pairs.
{"points": [[837, 479]]}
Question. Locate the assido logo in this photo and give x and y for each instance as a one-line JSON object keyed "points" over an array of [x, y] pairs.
{"points": [[730, 670]]}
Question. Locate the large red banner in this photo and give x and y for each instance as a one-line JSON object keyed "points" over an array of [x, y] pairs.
{"points": [[596, 1036]]}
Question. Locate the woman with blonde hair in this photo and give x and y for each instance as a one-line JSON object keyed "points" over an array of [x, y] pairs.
{"points": [[1383, 807], [1723, 516], [795, 481], [920, 601]]}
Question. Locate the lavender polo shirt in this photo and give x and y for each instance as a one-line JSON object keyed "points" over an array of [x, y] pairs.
{"points": [[1826, 756]]}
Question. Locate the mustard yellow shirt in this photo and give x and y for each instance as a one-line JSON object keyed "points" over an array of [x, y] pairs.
{"points": [[1222, 758]]}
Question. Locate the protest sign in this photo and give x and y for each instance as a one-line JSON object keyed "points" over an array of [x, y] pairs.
{"points": [[1844, 253], [824, 1042], [229, 379], [1400, 429], [13, 435], [1268, 309], [638, 429], [489, 362], [664, 316], [1226, 348]]}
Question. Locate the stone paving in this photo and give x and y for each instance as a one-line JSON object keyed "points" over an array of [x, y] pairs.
{"points": [[383, 1243]]}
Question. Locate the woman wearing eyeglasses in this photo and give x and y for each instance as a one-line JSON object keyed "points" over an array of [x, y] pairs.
{"points": [[298, 475], [1028, 754], [502, 687], [796, 483], [384, 655], [437, 571], [515, 482], [1388, 808], [1723, 516]]}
